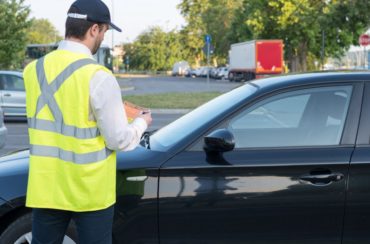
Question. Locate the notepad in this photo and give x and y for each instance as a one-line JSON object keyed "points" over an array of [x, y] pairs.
{"points": [[133, 110]]}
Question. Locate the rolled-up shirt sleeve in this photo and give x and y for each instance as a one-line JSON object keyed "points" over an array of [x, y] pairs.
{"points": [[106, 107]]}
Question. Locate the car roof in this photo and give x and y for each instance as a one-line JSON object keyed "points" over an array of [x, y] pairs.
{"points": [[11, 72], [310, 78]]}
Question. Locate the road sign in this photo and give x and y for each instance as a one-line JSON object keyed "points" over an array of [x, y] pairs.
{"points": [[207, 50], [208, 38], [364, 40]]}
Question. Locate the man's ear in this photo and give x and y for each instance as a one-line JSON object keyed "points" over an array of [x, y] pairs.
{"points": [[94, 30]]}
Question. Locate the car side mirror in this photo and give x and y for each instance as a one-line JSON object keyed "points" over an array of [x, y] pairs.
{"points": [[221, 140]]}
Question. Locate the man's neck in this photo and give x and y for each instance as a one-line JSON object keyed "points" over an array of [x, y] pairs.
{"points": [[83, 42]]}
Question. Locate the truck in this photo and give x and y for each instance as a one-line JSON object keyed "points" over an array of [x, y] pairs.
{"points": [[180, 68], [254, 59]]}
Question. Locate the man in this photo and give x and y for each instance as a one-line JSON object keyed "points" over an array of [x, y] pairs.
{"points": [[76, 122]]}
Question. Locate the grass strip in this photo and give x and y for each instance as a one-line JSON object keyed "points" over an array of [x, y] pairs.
{"points": [[172, 100]]}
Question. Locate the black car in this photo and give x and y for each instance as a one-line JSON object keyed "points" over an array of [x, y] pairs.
{"points": [[277, 160]]}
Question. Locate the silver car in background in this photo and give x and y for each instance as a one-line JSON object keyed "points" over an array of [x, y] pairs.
{"points": [[12, 94], [3, 129]]}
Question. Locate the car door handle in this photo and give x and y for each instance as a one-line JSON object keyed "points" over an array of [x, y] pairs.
{"points": [[137, 178], [322, 179], [7, 95]]}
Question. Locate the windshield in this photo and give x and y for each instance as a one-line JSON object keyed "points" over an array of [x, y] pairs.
{"points": [[181, 128]]}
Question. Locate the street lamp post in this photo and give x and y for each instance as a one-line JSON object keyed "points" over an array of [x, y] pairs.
{"points": [[112, 5]]}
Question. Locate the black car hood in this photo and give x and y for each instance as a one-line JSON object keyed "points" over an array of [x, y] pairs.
{"points": [[138, 158], [16, 155], [138, 154]]}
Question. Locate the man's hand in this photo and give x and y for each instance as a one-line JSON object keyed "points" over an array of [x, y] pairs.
{"points": [[147, 116]]}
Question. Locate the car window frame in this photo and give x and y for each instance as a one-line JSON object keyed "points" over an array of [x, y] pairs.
{"points": [[363, 138], [350, 129]]}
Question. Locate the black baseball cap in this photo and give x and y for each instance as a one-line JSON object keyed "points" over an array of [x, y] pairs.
{"points": [[91, 10]]}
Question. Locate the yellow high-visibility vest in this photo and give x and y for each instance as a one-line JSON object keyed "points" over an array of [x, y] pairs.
{"points": [[70, 166]]}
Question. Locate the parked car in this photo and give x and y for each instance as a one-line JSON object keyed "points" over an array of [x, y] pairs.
{"points": [[12, 94], [3, 129], [198, 71], [213, 72], [277, 160], [223, 73], [190, 73], [204, 71]]}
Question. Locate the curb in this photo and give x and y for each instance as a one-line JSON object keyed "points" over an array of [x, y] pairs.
{"points": [[127, 88]]}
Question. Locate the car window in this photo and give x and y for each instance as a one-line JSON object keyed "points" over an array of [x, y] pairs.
{"points": [[2, 81], [185, 126], [281, 113], [308, 117], [12, 83]]}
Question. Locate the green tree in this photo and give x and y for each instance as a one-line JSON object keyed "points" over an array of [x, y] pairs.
{"points": [[218, 19], [42, 31], [13, 26], [209, 17], [193, 33], [303, 25], [155, 50]]}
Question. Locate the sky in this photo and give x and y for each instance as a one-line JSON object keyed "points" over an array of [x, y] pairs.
{"points": [[132, 16]]}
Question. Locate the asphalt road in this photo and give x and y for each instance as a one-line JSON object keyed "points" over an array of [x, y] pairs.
{"points": [[17, 137], [17, 130]]}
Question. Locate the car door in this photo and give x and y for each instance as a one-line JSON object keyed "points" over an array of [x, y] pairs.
{"points": [[284, 182], [136, 216], [357, 214], [13, 97]]}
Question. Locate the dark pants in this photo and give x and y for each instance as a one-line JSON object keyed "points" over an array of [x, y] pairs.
{"points": [[49, 226]]}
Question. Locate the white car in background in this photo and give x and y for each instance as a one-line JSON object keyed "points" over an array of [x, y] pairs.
{"points": [[198, 71], [223, 73], [12, 94]]}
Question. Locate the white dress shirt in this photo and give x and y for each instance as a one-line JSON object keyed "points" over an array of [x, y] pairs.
{"points": [[106, 107]]}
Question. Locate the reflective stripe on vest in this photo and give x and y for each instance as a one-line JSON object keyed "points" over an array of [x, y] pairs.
{"points": [[58, 126], [78, 158], [61, 128]]}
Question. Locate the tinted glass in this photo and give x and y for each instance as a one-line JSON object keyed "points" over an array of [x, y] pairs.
{"points": [[308, 117], [181, 128], [276, 114]]}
